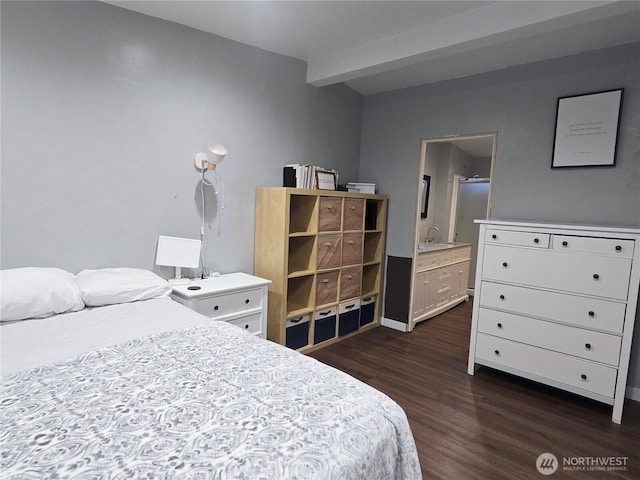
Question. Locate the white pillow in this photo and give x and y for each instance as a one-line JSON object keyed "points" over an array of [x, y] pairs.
{"points": [[34, 292], [120, 285]]}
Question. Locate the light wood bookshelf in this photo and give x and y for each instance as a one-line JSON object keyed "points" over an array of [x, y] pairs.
{"points": [[297, 234]]}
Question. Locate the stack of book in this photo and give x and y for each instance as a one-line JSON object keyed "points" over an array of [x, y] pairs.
{"points": [[361, 187], [300, 175]]}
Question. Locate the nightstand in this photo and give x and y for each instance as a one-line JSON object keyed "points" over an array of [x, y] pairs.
{"points": [[237, 298]]}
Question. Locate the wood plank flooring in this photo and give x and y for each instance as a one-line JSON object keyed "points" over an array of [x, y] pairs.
{"points": [[490, 425]]}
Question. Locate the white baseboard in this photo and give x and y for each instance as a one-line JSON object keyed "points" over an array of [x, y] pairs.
{"points": [[396, 325], [633, 393]]}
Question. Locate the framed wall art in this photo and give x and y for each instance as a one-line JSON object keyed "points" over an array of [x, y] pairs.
{"points": [[586, 132]]}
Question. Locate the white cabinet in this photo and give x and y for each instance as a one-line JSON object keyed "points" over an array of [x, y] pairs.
{"points": [[440, 282], [237, 298], [557, 304]]}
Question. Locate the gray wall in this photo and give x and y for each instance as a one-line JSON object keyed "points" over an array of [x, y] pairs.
{"points": [[520, 104], [103, 110]]}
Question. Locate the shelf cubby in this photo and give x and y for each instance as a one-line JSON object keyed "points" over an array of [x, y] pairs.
{"points": [[303, 217]]}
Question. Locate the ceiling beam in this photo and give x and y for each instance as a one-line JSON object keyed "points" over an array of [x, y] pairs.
{"points": [[489, 25]]}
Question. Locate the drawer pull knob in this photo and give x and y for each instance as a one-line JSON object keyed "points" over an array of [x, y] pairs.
{"points": [[216, 307], [246, 326], [324, 280], [587, 346], [536, 240], [501, 297], [505, 264], [499, 325], [246, 301], [618, 248], [565, 243], [583, 376], [596, 276], [497, 352], [592, 313], [494, 236]]}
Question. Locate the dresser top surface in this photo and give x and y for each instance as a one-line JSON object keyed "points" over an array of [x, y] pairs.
{"points": [[224, 283], [561, 226]]}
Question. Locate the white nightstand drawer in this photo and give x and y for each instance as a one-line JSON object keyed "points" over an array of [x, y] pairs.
{"points": [[605, 246], [594, 377], [250, 323], [523, 239], [223, 305], [596, 275], [599, 347], [563, 307]]}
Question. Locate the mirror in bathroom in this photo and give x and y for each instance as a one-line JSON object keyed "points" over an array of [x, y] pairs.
{"points": [[424, 196]]}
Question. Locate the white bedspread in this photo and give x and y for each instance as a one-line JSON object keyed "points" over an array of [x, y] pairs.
{"points": [[208, 401], [38, 342]]}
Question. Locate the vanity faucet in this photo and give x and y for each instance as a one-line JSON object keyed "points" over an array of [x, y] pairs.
{"points": [[429, 233]]}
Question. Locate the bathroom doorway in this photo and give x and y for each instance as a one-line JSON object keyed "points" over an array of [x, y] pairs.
{"points": [[460, 168]]}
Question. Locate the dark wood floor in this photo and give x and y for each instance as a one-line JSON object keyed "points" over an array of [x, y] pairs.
{"points": [[487, 426]]}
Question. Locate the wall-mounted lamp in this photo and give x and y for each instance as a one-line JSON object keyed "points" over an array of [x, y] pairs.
{"points": [[205, 161], [217, 152]]}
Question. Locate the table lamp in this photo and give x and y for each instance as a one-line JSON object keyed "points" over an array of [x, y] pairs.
{"points": [[178, 252]]}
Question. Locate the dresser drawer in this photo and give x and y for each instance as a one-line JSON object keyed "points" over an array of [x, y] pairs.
{"points": [[223, 305], [353, 214], [329, 251], [523, 239], [351, 248], [581, 311], [329, 214], [250, 323], [600, 276], [327, 287], [599, 347], [605, 246], [566, 369]]}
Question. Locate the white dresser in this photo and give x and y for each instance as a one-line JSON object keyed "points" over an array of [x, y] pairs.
{"points": [[237, 298], [557, 304]]}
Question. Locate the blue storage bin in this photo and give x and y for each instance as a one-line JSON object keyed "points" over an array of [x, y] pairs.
{"points": [[348, 317], [297, 332], [367, 309], [324, 325]]}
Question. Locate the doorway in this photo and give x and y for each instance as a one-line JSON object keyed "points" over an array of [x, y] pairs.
{"points": [[470, 202], [460, 169]]}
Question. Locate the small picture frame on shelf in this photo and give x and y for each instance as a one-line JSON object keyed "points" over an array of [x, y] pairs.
{"points": [[326, 180]]}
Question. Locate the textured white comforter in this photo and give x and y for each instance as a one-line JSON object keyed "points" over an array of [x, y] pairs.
{"points": [[208, 401]]}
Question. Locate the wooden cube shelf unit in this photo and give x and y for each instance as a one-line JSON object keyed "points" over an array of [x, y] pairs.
{"points": [[323, 252]]}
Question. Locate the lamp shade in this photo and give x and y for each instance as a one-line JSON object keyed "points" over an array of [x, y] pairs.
{"points": [[218, 152], [178, 252]]}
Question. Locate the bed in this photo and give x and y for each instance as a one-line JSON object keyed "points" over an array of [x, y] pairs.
{"points": [[147, 388]]}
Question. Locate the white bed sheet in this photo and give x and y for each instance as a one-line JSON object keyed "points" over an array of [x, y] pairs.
{"points": [[38, 342]]}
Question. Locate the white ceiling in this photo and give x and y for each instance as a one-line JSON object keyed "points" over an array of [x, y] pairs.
{"points": [[375, 46]]}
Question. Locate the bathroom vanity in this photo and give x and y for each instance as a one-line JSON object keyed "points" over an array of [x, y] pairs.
{"points": [[441, 279]]}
